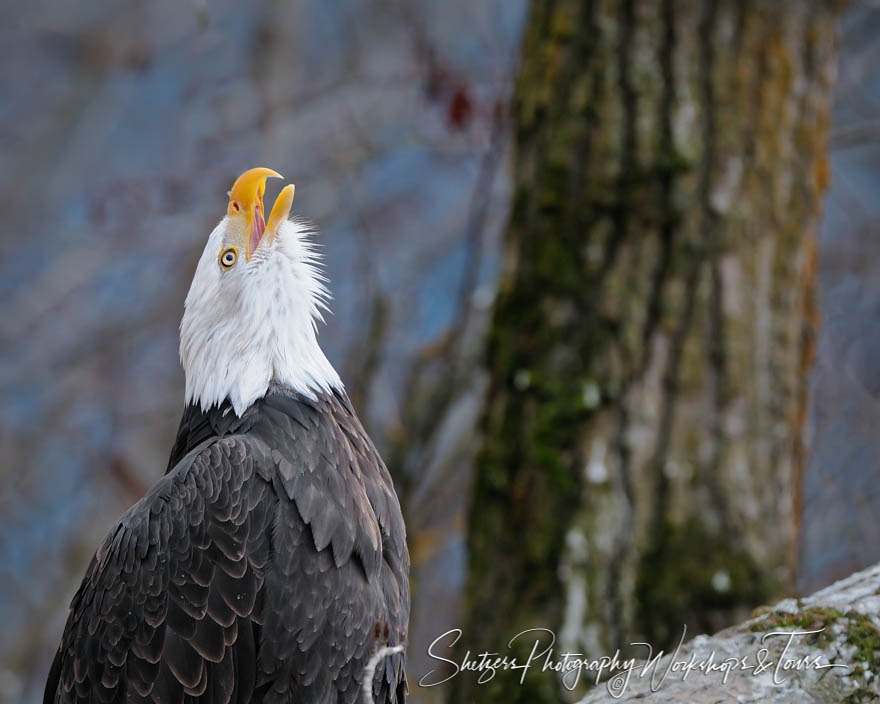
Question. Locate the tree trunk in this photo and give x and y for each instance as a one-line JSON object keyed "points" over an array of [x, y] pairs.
{"points": [[654, 326]]}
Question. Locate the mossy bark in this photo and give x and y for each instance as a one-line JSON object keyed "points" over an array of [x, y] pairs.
{"points": [[653, 328]]}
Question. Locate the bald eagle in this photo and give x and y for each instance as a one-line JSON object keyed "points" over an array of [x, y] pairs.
{"points": [[269, 564]]}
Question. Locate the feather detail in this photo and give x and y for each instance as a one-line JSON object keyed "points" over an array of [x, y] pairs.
{"points": [[256, 323], [258, 567]]}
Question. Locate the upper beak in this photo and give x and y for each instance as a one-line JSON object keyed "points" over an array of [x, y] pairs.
{"points": [[246, 199]]}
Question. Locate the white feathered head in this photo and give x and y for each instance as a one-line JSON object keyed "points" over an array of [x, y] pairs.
{"points": [[251, 313]]}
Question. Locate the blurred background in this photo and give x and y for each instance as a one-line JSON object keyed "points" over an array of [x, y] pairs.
{"points": [[122, 128]]}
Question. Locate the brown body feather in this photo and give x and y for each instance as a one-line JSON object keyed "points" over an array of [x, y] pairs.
{"points": [[260, 568]]}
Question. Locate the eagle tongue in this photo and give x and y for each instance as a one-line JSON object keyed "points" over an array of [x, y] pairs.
{"points": [[259, 227]]}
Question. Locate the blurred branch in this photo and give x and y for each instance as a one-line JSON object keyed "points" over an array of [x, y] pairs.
{"points": [[427, 401], [857, 135]]}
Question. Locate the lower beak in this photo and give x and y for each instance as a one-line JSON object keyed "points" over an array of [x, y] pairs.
{"points": [[280, 212], [267, 231]]}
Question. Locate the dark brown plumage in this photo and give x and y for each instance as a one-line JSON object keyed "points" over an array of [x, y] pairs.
{"points": [[267, 565]]}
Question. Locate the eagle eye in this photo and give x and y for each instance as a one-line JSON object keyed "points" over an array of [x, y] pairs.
{"points": [[228, 257]]}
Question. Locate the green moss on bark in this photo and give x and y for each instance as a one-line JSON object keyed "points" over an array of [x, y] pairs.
{"points": [[688, 575], [810, 619]]}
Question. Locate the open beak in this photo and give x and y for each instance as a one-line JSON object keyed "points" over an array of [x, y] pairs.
{"points": [[246, 201]]}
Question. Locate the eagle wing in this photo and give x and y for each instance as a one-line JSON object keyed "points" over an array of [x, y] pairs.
{"points": [[170, 603], [291, 515]]}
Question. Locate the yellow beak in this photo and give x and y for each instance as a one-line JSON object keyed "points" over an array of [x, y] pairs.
{"points": [[246, 201]]}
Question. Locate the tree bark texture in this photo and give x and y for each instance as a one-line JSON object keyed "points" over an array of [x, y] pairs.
{"points": [[642, 437]]}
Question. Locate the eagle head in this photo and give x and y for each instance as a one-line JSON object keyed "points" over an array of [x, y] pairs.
{"points": [[250, 317]]}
